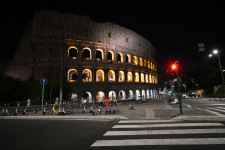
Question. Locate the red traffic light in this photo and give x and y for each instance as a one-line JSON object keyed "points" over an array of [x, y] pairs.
{"points": [[174, 67]]}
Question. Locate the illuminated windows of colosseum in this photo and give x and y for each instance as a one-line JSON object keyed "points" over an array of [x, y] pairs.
{"points": [[100, 96], [87, 96], [86, 53], [111, 76], [120, 57], [112, 95], [141, 62], [110, 56], [121, 76], [128, 58], [145, 63], [142, 77], [122, 95], [150, 78], [72, 52], [149, 65], [87, 75], [99, 75], [72, 75], [136, 77], [135, 60], [131, 94], [129, 77], [99, 54], [146, 78]]}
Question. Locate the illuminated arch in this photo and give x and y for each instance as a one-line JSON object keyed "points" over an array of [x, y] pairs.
{"points": [[110, 56], [111, 76], [100, 96], [86, 75], [72, 75], [149, 65], [119, 57], [72, 52], [112, 95], [121, 76], [148, 94], [136, 77], [100, 76], [150, 78], [143, 96], [146, 78], [138, 94], [86, 53], [141, 62], [145, 63], [135, 60], [131, 94], [87, 96], [129, 77], [99, 54], [142, 77], [128, 58], [122, 95]]}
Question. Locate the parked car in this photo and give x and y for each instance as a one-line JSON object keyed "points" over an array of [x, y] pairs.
{"points": [[173, 99]]}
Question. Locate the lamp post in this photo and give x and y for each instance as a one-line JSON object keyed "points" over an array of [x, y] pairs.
{"points": [[216, 52]]}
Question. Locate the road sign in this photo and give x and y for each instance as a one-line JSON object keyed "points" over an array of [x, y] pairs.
{"points": [[44, 81]]}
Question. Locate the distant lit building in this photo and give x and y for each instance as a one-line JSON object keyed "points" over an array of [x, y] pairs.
{"points": [[100, 60]]}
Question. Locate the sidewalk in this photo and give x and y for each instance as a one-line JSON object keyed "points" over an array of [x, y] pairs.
{"points": [[153, 109]]}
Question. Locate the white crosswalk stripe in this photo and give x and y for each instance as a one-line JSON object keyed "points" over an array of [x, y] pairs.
{"points": [[128, 128], [219, 111]]}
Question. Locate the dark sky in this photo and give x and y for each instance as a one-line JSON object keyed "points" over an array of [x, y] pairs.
{"points": [[171, 26]]}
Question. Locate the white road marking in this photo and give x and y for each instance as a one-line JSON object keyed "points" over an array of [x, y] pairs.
{"points": [[146, 121], [215, 109], [167, 125], [155, 132], [221, 107], [176, 141]]}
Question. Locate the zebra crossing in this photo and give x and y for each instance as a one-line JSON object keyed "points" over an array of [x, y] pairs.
{"points": [[162, 132], [219, 111]]}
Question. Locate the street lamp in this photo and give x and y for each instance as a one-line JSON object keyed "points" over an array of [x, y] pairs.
{"points": [[216, 52]]}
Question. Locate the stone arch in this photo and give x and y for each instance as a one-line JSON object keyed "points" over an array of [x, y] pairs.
{"points": [[86, 53], [99, 54], [86, 75], [128, 58], [129, 77], [112, 95], [142, 77], [122, 95], [100, 96], [121, 76], [136, 77], [131, 94], [135, 60], [100, 75], [72, 75], [110, 56], [138, 94], [87, 96], [119, 57], [111, 76], [72, 52]]}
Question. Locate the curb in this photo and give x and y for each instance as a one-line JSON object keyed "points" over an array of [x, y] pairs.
{"points": [[66, 117], [214, 118]]}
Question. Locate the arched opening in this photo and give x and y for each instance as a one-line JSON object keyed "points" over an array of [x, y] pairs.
{"points": [[110, 56], [86, 53], [138, 95], [149, 65], [87, 96], [148, 94], [142, 77], [99, 54], [128, 59], [141, 62], [150, 78], [111, 76], [100, 96], [145, 63], [151, 94], [146, 78], [119, 57], [121, 76], [72, 52], [122, 95], [135, 60], [86, 75], [100, 76], [129, 77], [143, 95], [131, 94], [136, 77], [74, 97], [112, 95], [72, 75]]}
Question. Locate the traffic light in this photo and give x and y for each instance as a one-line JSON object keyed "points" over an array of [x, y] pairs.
{"points": [[174, 67]]}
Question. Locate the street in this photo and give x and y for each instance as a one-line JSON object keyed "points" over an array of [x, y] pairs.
{"points": [[148, 133]]}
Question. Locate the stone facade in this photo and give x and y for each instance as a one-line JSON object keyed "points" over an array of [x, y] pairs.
{"points": [[99, 59]]}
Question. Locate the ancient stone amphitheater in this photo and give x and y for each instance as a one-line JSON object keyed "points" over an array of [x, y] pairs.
{"points": [[100, 60]]}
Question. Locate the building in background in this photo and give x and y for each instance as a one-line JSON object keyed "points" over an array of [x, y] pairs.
{"points": [[100, 60]]}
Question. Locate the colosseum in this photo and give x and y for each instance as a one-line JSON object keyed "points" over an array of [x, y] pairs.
{"points": [[99, 59]]}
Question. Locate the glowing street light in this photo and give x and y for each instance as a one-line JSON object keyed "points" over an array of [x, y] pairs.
{"points": [[216, 52]]}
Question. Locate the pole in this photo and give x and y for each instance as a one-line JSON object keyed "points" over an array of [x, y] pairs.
{"points": [[178, 91], [43, 90], [221, 70]]}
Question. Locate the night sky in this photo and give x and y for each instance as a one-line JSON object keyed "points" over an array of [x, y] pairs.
{"points": [[172, 27]]}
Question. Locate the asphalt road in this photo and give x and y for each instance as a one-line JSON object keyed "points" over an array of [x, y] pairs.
{"points": [[87, 134]]}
